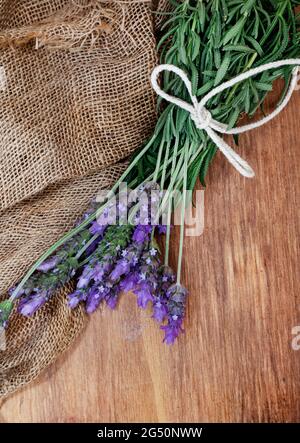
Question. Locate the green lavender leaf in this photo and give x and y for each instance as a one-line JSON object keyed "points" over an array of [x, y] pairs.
{"points": [[255, 44], [222, 71], [233, 118], [196, 43], [247, 6], [204, 166], [202, 15], [263, 86], [234, 32], [238, 48]]}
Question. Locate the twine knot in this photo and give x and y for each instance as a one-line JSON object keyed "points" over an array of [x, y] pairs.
{"points": [[201, 117]]}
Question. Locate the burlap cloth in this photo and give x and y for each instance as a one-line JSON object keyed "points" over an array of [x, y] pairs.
{"points": [[75, 101]]}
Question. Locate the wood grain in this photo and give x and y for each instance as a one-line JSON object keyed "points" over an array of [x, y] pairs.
{"points": [[235, 361]]}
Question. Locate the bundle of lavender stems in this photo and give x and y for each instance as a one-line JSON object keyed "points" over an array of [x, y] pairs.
{"points": [[113, 248]]}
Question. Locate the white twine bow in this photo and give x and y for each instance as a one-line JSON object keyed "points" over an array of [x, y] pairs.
{"points": [[203, 118]]}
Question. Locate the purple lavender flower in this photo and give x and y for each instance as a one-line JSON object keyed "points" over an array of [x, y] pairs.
{"points": [[112, 297], [76, 297], [141, 233], [100, 269], [147, 271], [49, 264], [29, 305], [172, 330], [95, 296], [144, 294], [122, 267], [162, 229], [129, 282], [96, 228], [99, 279], [126, 265], [160, 310], [166, 278], [176, 295], [114, 212], [85, 278]]}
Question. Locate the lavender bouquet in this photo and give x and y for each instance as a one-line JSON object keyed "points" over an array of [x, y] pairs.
{"points": [[113, 249]]}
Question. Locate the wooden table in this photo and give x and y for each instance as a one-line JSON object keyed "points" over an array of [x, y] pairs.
{"points": [[235, 362]]}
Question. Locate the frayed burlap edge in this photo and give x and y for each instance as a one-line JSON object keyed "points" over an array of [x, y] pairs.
{"points": [[72, 27]]}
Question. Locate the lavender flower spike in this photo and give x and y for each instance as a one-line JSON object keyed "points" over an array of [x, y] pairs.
{"points": [[176, 310], [166, 279], [160, 310], [76, 297], [95, 296], [28, 306], [49, 264]]}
